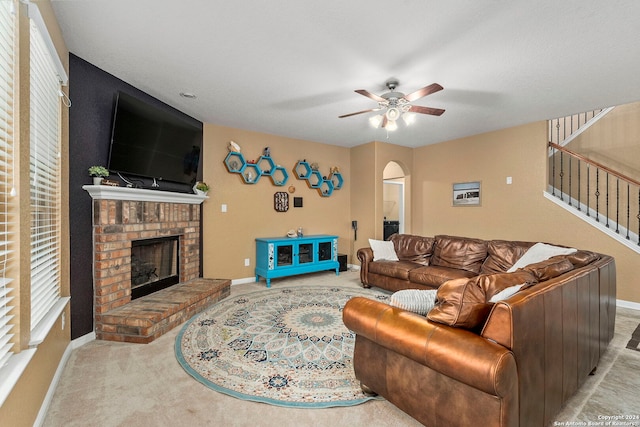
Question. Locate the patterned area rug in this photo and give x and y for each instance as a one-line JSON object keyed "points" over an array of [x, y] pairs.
{"points": [[285, 347]]}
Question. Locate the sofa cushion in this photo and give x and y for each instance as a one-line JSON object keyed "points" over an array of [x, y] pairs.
{"points": [[417, 249], [540, 252], [396, 269], [550, 268], [383, 250], [459, 252], [582, 258], [502, 254], [434, 276], [464, 303]]}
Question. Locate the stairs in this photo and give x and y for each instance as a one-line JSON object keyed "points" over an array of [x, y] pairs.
{"points": [[603, 197]]}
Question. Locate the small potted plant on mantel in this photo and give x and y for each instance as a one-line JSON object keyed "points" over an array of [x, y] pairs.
{"points": [[98, 173], [201, 188]]}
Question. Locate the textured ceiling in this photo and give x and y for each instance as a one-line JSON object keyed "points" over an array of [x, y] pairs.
{"points": [[290, 67]]}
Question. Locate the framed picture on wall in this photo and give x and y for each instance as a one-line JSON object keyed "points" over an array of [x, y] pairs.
{"points": [[466, 194]]}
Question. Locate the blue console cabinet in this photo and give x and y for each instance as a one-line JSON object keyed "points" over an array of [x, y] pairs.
{"points": [[286, 256]]}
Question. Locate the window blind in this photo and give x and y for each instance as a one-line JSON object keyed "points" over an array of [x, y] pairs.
{"points": [[6, 178], [44, 172]]}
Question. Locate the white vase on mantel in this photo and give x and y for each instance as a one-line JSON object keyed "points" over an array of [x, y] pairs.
{"points": [[97, 180]]}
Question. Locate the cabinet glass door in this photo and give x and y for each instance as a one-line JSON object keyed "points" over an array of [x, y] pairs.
{"points": [[324, 251], [305, 253], [284, 255]]}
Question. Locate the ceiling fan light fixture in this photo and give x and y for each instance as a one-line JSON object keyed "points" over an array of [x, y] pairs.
{"points": [[393, 114], [391, 125], [376, 121], [408, 118]]}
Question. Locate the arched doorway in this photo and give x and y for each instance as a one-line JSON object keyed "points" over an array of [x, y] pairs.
{"points": [[393, 199]]}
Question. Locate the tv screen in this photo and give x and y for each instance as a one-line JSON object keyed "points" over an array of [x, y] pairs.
{"points": [[149, 142]]}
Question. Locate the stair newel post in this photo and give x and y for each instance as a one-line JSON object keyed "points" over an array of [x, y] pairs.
{"points": [[607, 202], [588, 190], [598, 194], [553, 169], [618, 205], [561, 176], [579, 184], [570, 176], [628, 210]]}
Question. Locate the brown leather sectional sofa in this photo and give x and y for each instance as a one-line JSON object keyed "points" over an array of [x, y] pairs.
{"points": [[510, 363]]}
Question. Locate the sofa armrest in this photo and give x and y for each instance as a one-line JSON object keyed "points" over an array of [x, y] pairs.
{"points": [[365, 255], [456, 353]]}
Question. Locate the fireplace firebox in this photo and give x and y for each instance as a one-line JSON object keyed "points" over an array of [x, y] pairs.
{"points": [[154, 265]]}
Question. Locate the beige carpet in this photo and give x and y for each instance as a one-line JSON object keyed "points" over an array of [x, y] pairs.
{"points": [[119, 384]]}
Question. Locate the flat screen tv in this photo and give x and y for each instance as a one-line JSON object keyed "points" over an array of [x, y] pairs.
{"points": [[147, 141]]}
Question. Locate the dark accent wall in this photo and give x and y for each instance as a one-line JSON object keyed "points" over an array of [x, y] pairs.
{"points": [[93, 92]]}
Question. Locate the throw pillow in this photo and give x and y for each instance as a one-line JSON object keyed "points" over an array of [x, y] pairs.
{"points": [[415, 300], [540, 252], [506, 293], [383, 250], [460, 303], [465, 303]]}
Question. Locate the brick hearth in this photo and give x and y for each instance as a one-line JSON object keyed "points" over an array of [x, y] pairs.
{"points": [[122, 215], [146, 318]]}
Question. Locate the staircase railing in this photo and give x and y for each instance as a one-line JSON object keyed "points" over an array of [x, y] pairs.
{"points": [[562, 130], [597, 191]]}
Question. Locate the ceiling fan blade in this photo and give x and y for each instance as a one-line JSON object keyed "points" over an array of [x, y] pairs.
{"points": [[371, 95], [359, 112], [426, 110], [427, 90]]}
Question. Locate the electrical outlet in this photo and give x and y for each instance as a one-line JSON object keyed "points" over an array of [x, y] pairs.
{"points": [[223, 208], [509, 180], [247, 262]]}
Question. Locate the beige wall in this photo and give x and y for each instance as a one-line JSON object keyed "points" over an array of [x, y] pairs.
{"points": [[25, 400], [368, 162], [229, 237], [517, 211], [614, 140]]}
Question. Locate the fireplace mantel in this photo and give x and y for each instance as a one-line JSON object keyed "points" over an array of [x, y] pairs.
{"points": [[107, 192], [122, 215]]}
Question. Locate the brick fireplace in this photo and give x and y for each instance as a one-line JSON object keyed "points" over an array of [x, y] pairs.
{"points": [[123, 215]]}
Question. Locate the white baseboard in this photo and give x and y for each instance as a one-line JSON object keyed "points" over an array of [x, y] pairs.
{"points": [[252, 279], [78, 342], [243, 281], [628, 304]]}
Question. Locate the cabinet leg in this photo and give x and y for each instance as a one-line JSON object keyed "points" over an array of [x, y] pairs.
{"points": [[268, 283], [338, 271]]}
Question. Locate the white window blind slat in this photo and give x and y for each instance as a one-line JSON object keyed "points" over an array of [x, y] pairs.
{"points": [[44, 170], [7, 32]]}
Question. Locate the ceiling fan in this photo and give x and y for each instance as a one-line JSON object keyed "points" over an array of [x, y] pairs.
{"points": [[397, 105]]}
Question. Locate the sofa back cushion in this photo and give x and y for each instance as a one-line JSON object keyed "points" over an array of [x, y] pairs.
{"points": [[502, 254], [412, 248], [464, 303], [582, 258], [459, 252], [550, 268]]}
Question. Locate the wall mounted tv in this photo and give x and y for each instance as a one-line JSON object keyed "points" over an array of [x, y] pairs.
{"points": [[147, 141]]}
